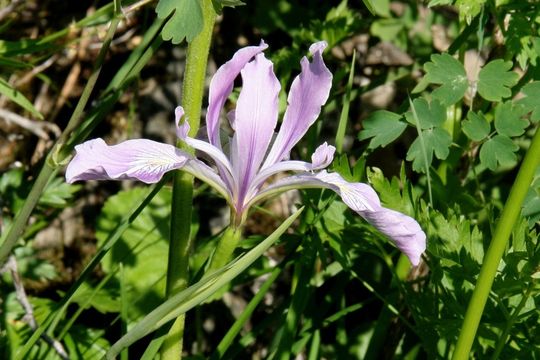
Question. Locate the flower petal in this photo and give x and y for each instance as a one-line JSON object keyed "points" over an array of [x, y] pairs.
{"points": [[182, 127], [139, 159], [222, 85], [309, 91], [205, 173], [255, 119], [323, 156], [222, 162], [403, 230]]}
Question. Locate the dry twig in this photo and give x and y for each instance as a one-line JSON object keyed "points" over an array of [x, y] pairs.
{"points": [[36, 127]]}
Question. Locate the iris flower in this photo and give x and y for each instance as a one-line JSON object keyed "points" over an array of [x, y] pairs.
{"points": [[244, 166]]}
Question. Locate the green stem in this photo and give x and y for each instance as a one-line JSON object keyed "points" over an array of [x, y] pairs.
{"points": [[180, 240], [340, 134], [50, 166], [225, 249], [509, 216]]}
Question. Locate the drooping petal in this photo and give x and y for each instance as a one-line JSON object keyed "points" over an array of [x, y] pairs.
{"points": [[139, 159], [358, 196], [255, 119], [222, 85], [403, 230], [309, 91]]}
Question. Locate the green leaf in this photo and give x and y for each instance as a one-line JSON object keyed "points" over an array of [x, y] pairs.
{"points": [[382, 127], [220, 4], [498, 150], [198, 292], [141, 248], [468, 9], [495, 80], [508, 119], [476, 126], [186, 20], [440, 2], [57, 193], [386, 29], [446, 71], [104, 300], [89, 343], [18, 98], [378, 7], [530, 101], [436, 141], [429, 114]]}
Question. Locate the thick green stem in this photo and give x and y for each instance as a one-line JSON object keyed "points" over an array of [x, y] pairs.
{"points": [[180, 241], [509, 216], [225, 249], [49, 168]]}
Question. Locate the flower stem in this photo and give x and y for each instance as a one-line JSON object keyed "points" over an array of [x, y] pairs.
{"points": [[509, 216], [180, 241], [226, 246]]}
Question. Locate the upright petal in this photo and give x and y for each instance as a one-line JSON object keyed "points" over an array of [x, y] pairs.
{"points": [[309, 91], [403, 230], [255, 119], [222, 85], [323, 156], [139, 159]]}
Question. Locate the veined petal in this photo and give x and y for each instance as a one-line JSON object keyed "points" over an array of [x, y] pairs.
{"points": [[321, 158], [222, 85], [403, 230], [139, 159], [205, 173], [255, 119], [221, 160], [309, 91], [357, 196]]}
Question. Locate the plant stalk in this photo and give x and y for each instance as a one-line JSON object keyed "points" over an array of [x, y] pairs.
{"points": [[225, 249], [180, 239], [509, 216]]}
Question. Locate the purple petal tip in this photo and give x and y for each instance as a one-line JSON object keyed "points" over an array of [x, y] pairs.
{"points": [[318, 47]]}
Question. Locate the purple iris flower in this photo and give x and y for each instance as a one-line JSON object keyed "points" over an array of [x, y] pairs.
{"points": [[253, 158]]}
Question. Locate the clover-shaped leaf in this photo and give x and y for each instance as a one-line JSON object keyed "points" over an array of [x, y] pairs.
{"points": [[498, 150], [431, 141], [186, 20], [446, 71], [495, 80], [508, 119], [429, 114], [476, 126], [382, 127], [530, 101]]}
